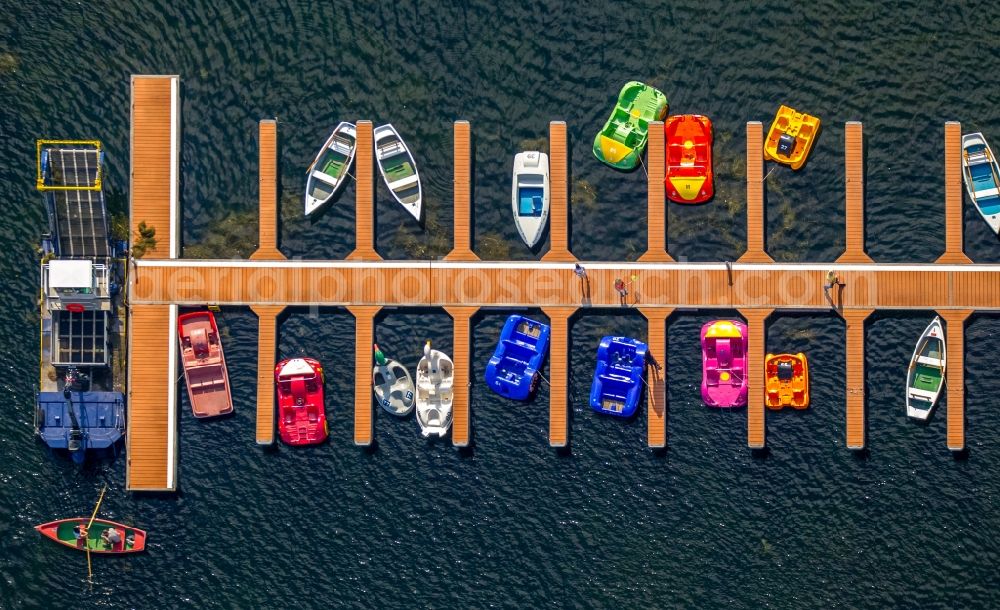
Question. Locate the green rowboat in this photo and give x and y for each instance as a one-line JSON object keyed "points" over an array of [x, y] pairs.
{"points": [[621, 142]]}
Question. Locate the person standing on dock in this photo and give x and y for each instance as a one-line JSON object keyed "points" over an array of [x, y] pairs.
{"points": [[832, 279], [622, 291], [584, 281]]}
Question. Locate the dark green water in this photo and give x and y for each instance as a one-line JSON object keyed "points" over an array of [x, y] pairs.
{"points": [[511, 522]]}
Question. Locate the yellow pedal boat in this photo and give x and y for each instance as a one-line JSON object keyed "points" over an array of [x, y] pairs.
{"points": [[787, 380], [791, 137]]}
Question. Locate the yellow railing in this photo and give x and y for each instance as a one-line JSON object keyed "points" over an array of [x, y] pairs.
{"points": [[40, 180]]}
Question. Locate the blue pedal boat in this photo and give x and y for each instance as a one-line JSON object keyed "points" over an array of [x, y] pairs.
{"points": [[618, 382], [513, 369]]}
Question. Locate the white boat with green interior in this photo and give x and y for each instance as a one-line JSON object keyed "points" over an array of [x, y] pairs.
{"points": [[925, 377], [398, 169], [328, 170]]}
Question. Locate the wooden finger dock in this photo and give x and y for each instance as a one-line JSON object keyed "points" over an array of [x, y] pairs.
{"points": [[462, 284]]}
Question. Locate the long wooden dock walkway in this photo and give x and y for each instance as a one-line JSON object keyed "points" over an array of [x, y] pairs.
{"points": [[151, 437], [462, 284]]}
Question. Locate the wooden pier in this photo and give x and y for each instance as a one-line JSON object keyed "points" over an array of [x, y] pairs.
{"points": [[151, 437], [462, 284]]}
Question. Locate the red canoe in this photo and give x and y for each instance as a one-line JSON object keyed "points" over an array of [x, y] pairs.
{"points": [[301, 413], [689, 158], [204, 364], [130, 539]]}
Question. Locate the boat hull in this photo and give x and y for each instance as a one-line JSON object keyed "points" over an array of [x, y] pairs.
{"points": [[435, 393], [786, 381], [689, 177], [926, 374], [622, 140], [393, 388], [204, 363], [797, 130], [530, 195], [513, 370], [329, 170], [981, 175], [724, 363], [618, 383], [61, 532], [301, 410], [399, 170]]}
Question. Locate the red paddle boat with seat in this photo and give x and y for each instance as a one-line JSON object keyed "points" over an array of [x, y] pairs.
{"points": [[204, 364], [689, 158], [301, 414]]}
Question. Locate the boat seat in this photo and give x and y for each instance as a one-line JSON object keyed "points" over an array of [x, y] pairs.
{"points": [[723, 352], [403, 182], [935, 362], [324, 177], [918, 393]]}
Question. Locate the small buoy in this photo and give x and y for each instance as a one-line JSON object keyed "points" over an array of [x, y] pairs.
{"points": [[724, 376]]}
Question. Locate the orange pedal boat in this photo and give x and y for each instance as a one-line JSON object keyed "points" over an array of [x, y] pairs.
{"points": [[787, 380], [689, 158], [204, 364], [790, 137]]}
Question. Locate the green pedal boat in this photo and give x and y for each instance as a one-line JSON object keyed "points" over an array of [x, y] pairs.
{"points": [[621, 142]]}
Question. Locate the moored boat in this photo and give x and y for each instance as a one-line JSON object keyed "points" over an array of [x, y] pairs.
{"points": [[301, 409], [618, 381], [981, 174], [392, 385], [786, 379], [530, 195], [204, 364], [513, 370], [724, 363], [925, 375], [622, 140], [398, 169], [791, 137], [435, 392], [689, 158], [328, 171], [75, 534]]}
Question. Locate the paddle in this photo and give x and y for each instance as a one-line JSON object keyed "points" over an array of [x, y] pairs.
{"points": [[86, 536]]}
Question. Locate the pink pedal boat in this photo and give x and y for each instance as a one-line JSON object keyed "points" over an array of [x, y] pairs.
{"points": [[724, 363], [204, 364]]}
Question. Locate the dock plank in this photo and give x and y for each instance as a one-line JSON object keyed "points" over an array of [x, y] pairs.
{"points": [[364, 189], [364, 339], [267, 244], [756, 349], [267, 350], [559, 361], [462, 159], [756, 227], [151, 436], [461, 426], [558, 195], [955, 374], [854, 188], [954, 222], [656, 197], [656, 403], [855, 320]]}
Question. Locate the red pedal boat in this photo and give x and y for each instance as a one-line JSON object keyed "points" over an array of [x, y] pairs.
{"points": [[301, 414], [689, 158], [102, 537], [204, 365]]}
